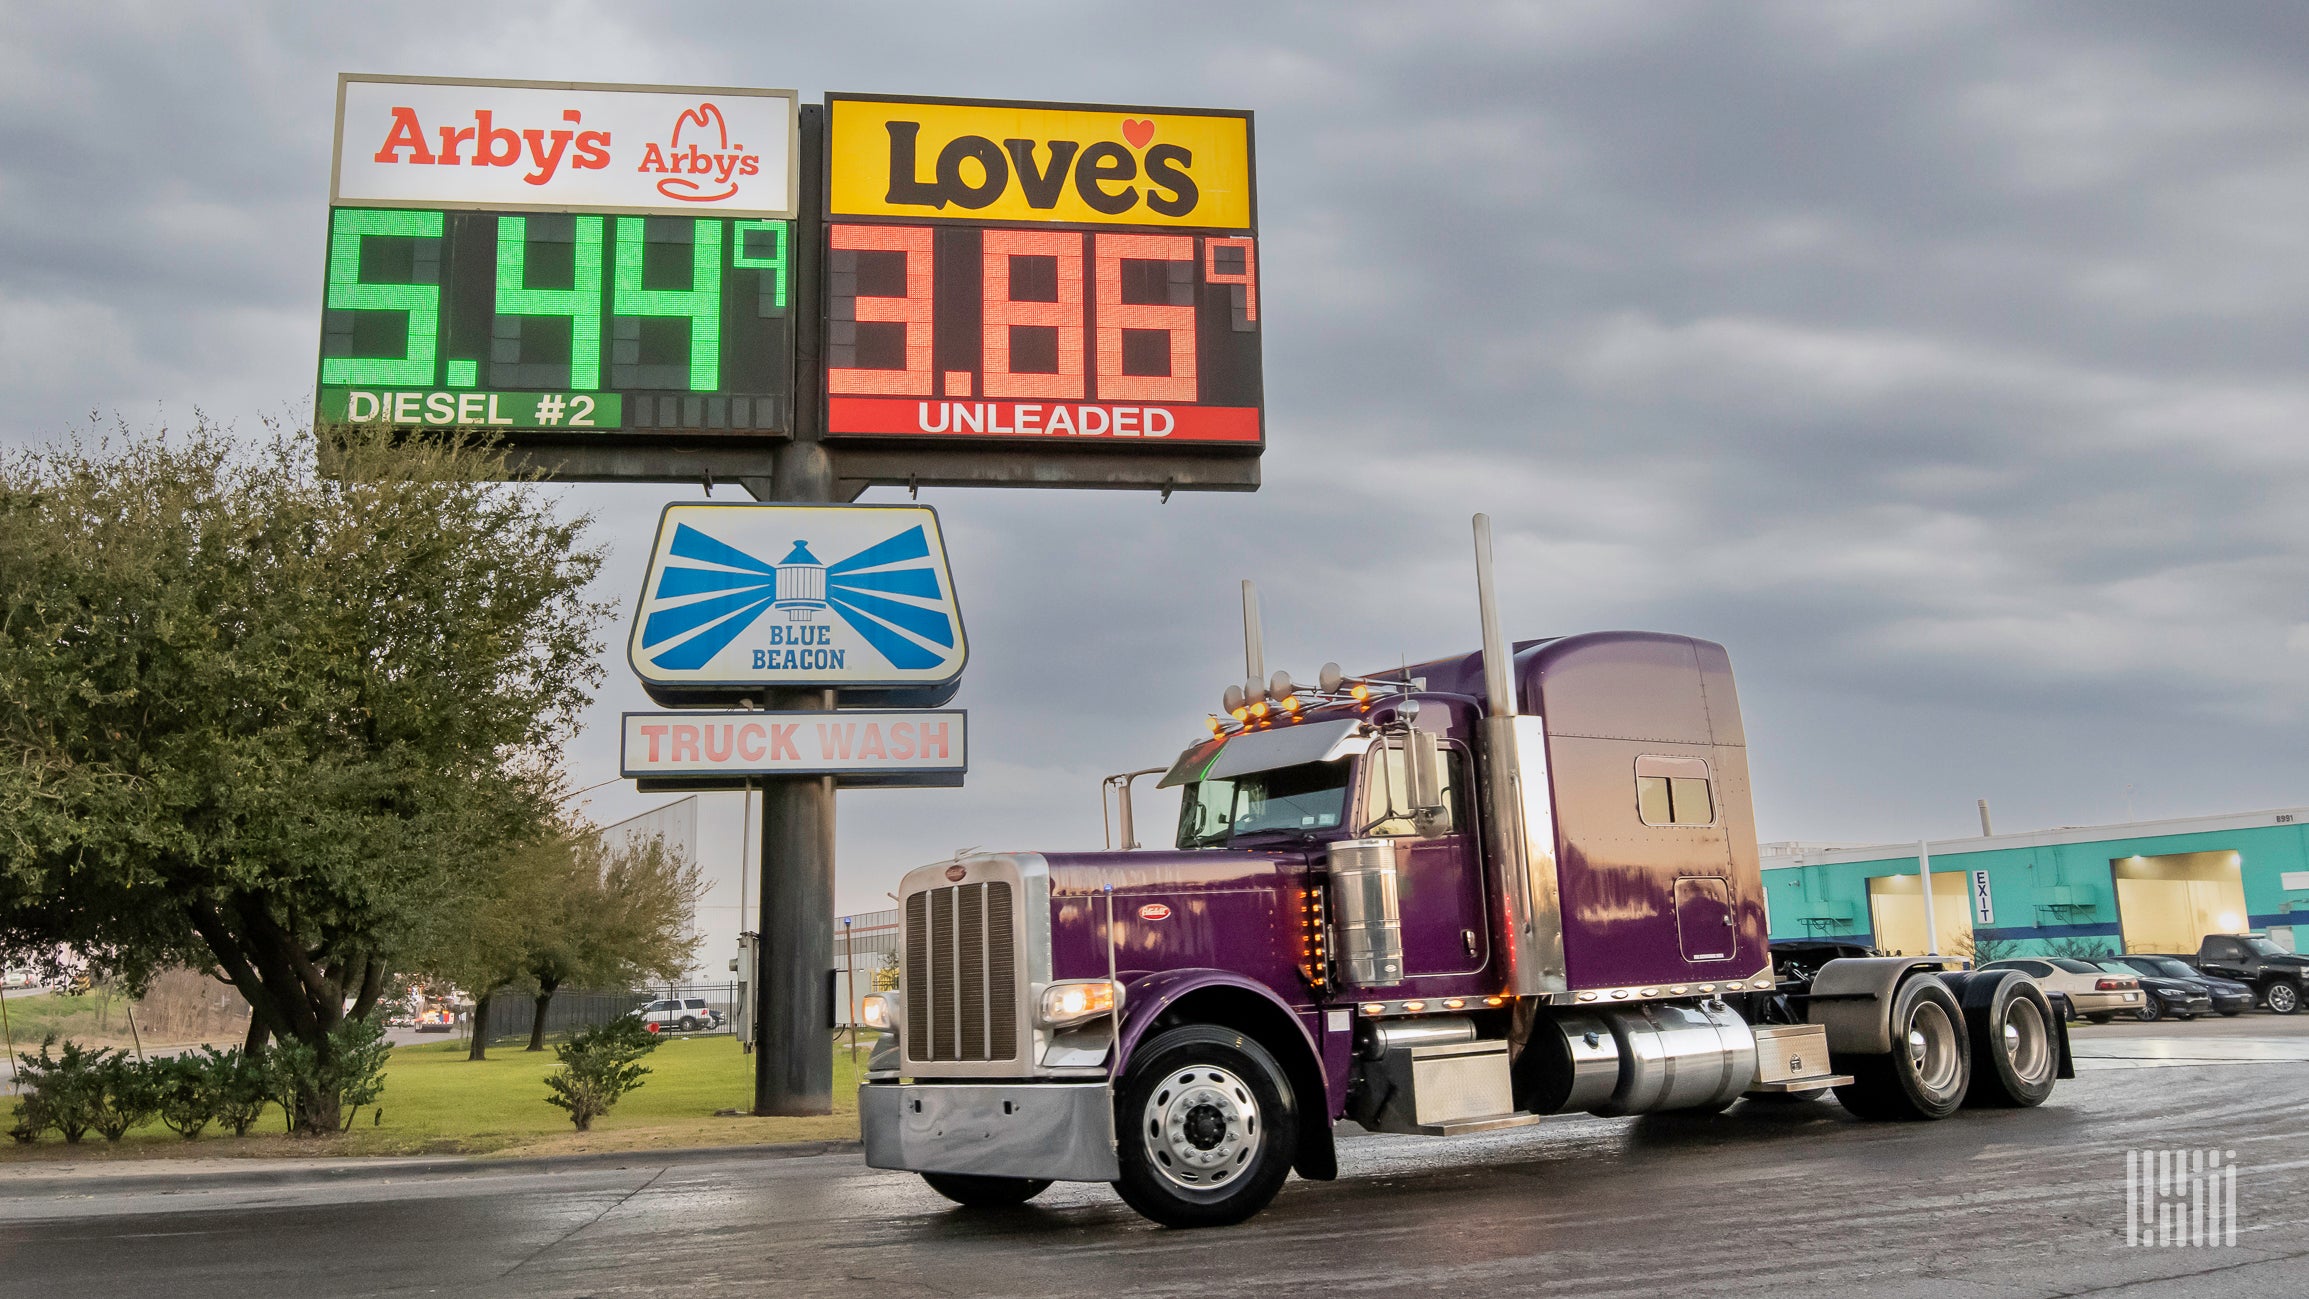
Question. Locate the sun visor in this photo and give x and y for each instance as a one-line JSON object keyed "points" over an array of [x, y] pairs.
{"points": [[1284, 746]]}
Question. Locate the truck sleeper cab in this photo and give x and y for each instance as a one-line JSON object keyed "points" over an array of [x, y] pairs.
{"points": [[1423, 905]]}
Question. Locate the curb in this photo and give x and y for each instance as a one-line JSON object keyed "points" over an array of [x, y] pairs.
{"points": [[126, 1175]]}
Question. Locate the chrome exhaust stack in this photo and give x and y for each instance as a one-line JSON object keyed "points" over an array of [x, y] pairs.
{"points": [[1534, 928]]}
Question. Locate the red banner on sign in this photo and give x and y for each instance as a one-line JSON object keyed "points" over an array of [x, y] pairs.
{"points": [[1102, 421]]}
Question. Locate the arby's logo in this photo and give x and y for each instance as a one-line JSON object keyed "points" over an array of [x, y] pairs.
{"points": [[721, 163], [1154, 911]]}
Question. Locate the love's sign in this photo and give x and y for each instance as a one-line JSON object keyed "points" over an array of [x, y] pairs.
{"points": [[994, 160]]}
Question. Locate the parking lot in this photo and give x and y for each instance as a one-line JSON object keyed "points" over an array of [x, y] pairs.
{"points": [[1762, 1201]]}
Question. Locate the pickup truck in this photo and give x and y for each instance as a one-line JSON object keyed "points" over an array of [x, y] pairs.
{"points": [[2275, 975]]}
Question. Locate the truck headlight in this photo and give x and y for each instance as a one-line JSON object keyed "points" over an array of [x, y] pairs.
{"points": [[1071, 1003], [880, 1011]]}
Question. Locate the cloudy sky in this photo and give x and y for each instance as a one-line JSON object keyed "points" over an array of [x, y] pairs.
{"points": [[1941, 360]]}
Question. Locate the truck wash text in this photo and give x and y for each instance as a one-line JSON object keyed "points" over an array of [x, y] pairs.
{"points": [[776, 741]]}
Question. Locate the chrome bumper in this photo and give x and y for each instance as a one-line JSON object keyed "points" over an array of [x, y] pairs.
{"points": [[1060, 1131]]}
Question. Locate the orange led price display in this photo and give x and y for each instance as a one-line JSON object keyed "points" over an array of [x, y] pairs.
{"points": [[1032, 272]]}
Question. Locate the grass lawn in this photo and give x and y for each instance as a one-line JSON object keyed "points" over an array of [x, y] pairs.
{"points": [[438, 1102]]}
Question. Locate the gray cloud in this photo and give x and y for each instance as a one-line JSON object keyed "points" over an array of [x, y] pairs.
{"points": [[1941, 360]]}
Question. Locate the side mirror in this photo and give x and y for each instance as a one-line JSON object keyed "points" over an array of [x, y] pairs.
{"points": [[1423, 766]]}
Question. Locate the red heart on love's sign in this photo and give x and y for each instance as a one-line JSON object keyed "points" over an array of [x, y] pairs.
{"points": [[1138, 131]]}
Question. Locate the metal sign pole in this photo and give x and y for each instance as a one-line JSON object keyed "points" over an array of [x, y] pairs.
{"points": [[794, 1069]]}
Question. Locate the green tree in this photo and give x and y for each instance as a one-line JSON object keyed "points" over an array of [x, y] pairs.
{"points": [[568, 909], [625, 920], [272, 722]]}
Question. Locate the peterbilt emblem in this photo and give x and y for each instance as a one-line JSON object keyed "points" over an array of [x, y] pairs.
{"points": [[1154, 911], [1795, 1064], [955, 874]]}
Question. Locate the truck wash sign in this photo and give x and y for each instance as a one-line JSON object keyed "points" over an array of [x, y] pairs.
{"points": [[701, 749], [564, 146], [745, 595]]}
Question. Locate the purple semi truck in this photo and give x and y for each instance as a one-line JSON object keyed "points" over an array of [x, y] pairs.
{"points": [[1461, 896]]}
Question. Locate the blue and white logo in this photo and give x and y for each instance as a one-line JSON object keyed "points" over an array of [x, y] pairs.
{"points": [[798, 595]]}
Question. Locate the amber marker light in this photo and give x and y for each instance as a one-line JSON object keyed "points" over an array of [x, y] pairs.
{"points": [[1373, 1007], [1360, 694], [1495, 1001], [1259, 709], [1452, 1003]]}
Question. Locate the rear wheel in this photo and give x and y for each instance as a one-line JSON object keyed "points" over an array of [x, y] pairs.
{"points": [[1204, 1127], [1925, 1075], [2284, 998], [986, 1192], [2015, 1049]]}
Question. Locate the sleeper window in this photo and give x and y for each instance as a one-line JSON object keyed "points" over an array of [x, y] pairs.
{"points": [[1674, 791]]}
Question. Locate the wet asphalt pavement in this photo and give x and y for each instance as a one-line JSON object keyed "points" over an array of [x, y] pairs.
{"points": [[1789, 1200]]}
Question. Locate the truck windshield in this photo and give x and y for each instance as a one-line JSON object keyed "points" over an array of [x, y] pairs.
{"points": [[1309, 797], [2263, 947]]}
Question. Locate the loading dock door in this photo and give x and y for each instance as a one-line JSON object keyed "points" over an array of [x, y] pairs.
{"points": [[2169, 903], [1896, 908]]}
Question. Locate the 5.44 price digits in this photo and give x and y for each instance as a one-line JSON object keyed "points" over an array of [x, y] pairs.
{"points": [[587, 279]]}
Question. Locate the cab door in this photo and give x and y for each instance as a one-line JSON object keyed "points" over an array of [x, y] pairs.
{"points": [[1439, 876]]}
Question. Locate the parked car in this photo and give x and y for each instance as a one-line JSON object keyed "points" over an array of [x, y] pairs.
{"points": [[679, 1014], [2093, 993], [2182, 999], [2229, 997], [2275, 974]]}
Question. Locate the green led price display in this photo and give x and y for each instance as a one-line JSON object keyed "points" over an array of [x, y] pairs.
{"points": [[558, 323]]}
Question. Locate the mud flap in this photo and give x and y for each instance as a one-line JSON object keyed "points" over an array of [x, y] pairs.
{"points": [[2067, 1062]]}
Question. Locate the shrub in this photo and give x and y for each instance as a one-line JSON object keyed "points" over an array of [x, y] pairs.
{"points": [[127, 1095], [322, 1091], [187, 1094], [237, 1086], [598, 1065], [64, 1091]]}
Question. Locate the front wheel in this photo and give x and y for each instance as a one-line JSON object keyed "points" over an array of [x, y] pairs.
{"points": [[2150, 1012], [986, 1192], [689, 1024], [1926, 1073], [2284, 998], [1204, 1127]]}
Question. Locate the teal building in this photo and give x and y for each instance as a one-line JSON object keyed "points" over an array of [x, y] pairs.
{"points": [[2146, 886]]}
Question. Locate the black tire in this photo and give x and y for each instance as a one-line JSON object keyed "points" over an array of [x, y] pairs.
{"points": [[2015, 1045], [1205, 1127], [1926, 1074], [986, 1192], [689, 1024], [2151, 1010], [2101, 1017], [2283, 998]]}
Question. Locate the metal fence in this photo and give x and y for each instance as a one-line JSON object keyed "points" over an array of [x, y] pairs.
{"points": [[512, 1015]]}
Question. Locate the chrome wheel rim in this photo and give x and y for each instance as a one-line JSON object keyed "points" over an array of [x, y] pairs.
{"points": [[1934, 1054], [2282, 995], [2027, 1041], [1201, 1127]]}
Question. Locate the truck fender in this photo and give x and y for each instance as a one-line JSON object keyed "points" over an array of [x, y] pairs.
{"points": [[1852, 998], [1228, 1000]]}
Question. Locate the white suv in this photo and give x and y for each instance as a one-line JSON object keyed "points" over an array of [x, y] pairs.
{"points": [[679, 1015]]}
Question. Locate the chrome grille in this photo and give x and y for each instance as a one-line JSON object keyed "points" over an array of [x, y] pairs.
{"points": [[962, 974]]}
